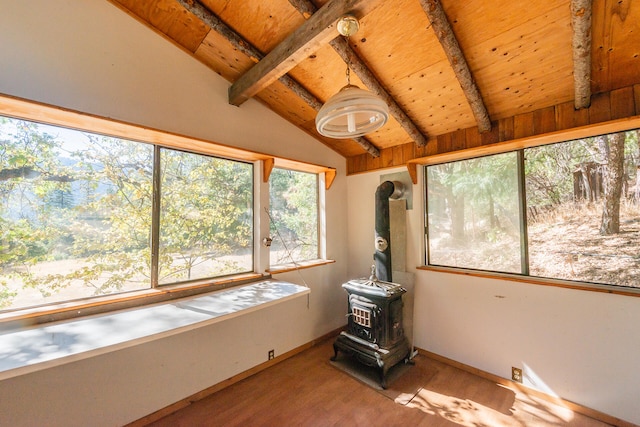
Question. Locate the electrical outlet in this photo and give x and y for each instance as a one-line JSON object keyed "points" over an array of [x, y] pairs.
{"points": [[516, 374], [271, 354]]}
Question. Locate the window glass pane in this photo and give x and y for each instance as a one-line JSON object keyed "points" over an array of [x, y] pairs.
{"points": [[571, 234], [206, 217], [294, 216], [75, 213], [473, 214]]}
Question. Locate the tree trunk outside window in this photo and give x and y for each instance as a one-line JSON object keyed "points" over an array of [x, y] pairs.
{"points": [[613, 177], [636, 196]]}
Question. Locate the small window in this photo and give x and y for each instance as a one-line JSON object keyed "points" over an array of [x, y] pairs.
{"points": [[362, 317], [206, 217], [294, 216]]}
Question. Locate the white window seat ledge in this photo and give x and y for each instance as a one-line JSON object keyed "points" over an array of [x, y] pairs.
{"points": [[44, 346]]}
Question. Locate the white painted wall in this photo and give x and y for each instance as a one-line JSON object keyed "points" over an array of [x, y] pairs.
{"points": [[89, 56], [579, 345], [92, 57]]}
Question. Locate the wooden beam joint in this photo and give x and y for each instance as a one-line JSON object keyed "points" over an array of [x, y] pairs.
{"points": [[243, 46], [304, 41], [357, 65]]}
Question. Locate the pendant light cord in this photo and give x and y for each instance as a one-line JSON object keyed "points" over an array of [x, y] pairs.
{"points": [[348, 72]]}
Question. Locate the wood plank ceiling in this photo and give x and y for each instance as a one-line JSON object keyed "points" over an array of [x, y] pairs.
{"points": [[521, 57]]}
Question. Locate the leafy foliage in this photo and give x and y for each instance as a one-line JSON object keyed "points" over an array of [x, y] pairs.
{"points": [[206, 214], [473, 213], [294, 216], [567, 185], [76, 214]]}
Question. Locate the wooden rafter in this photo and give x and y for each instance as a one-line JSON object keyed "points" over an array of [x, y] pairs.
{"points": [[444, 32], [342, 47], [304, 41], [581, 43], [216, 24]]}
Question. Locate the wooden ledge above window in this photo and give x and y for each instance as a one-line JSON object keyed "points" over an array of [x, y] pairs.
{"points": [[43, 113], [586, 131], [279, 162]]}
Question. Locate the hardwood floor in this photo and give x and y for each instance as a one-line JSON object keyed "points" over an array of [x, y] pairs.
{"points": [[306, 390]]}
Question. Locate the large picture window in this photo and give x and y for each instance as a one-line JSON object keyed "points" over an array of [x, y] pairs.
{"points": [[568, 210], [293, 200], [78, 217]]}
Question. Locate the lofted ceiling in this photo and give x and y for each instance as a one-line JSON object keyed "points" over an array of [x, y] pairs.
{"points": [[518, 56]]}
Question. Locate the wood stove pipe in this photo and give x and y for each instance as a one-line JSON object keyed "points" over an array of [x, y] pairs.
{"points": [[382, 255]]}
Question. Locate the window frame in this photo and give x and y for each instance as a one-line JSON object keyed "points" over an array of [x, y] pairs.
{"points": [[522, 249], [157, 243], [318, 257], [22, 109], [519, 145], [325, 180]]}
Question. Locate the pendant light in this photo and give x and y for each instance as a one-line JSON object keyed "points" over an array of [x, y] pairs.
{"points": [[352, 112]]}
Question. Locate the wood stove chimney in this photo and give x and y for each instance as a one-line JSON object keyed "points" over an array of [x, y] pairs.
{"points": [[382, 255]]}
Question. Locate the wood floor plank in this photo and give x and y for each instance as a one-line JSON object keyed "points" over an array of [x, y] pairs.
{"points": [[306, 390]]}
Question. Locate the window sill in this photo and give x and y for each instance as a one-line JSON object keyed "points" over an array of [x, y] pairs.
{"points": [[32, 316], [44, 346], [283, 268], [584, 286]]}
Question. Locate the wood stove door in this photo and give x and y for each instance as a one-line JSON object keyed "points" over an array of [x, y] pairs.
{"points": [[363, 318]]}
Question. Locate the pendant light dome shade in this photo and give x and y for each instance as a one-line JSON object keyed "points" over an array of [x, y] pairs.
{"points": [[350, 113]]}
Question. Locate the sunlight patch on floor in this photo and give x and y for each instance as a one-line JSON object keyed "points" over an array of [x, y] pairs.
{"points": [[463, 412], [525, 411], [542, 409]]}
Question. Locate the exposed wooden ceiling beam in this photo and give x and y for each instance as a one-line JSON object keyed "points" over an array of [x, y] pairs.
{"points": [[581, 23], [444, 32], [342, 47], [216, 24], [304, 41]]}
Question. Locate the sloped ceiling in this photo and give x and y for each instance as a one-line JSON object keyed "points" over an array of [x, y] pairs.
{"points": [[520, 56]]}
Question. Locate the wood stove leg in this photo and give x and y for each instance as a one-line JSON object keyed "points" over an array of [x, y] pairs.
{"points": [[408, 360], [335, 352], [383, 371]]}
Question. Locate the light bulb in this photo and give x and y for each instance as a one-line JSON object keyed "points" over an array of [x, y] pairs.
{"points": [[348, 25], [351, 123]]}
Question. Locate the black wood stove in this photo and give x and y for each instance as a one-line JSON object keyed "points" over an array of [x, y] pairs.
{"points": [[374, 335]]}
